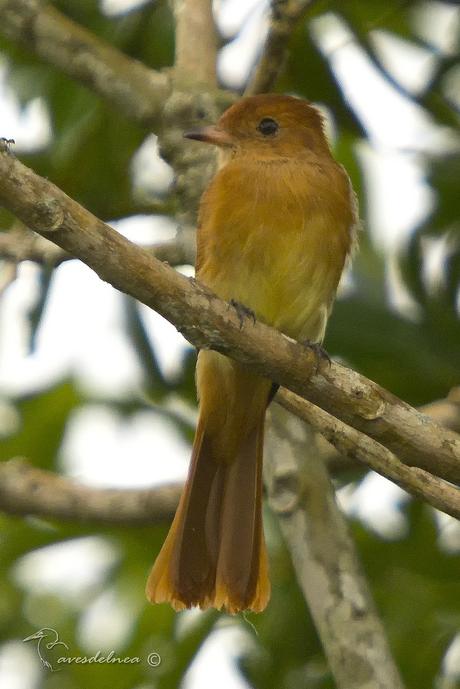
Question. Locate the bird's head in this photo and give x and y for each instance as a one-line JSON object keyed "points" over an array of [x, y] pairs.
{"points": [[267, 126], [43, 633]]}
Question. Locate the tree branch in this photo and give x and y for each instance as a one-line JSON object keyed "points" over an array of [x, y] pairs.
{"points": [[23, 245], [25, 490], [446, 412], [196, 41], [161, 101], [134, 89], [285, 14], [208, 322], [17, 246], [358, 446], [325, 559]]}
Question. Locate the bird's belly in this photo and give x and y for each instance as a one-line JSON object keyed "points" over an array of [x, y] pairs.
{"points": [[287, 278]]}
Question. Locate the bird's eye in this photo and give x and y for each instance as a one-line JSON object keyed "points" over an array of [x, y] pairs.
{"points": [[267, 126]]}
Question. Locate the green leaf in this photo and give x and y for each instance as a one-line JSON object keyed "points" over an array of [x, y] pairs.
{"points": [[43, 420]]}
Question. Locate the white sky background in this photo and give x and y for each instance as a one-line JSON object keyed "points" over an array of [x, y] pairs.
{"points": [[81, 333]]}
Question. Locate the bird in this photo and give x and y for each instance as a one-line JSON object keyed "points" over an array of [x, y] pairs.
{"points": [[52, 640], [276, 226]]}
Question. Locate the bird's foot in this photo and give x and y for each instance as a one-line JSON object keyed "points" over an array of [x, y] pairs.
{"points": [[320, 353], [242, 312]]}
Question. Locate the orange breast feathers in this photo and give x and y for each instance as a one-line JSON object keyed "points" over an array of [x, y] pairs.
{"points": [[276, 225], [274, 235]]}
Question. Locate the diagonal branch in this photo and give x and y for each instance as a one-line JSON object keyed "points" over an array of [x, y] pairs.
{"points": [[17, 246], [22, 245], [136, 90], [161, 101], [285, 14], [26, 490], [208, 322], [358, 446], [325, 559]]}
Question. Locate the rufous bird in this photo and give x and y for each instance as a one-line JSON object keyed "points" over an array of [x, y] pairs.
{"points": [[276, 225]]}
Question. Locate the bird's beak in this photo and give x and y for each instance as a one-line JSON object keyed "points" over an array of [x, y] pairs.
{"points": [[211, 135], [37, 635]]}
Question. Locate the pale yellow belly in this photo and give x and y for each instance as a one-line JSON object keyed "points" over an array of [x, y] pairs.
{"points": [[287, 278]]}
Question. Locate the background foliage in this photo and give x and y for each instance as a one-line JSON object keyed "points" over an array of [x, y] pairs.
{"points": [[413, 574]]}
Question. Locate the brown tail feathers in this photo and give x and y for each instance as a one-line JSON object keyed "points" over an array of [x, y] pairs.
{"points": [[214, 554]]}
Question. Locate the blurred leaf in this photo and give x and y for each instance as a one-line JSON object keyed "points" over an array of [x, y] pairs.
{"points": [[416, 584], [43, 420], [410, 359], [417, 590], [395, 17], [443, 221], [91, 140], [317, 83], [145, 33], [391, 15], [443, 176]]}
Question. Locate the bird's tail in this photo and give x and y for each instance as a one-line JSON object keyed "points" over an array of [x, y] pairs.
{"points": [[214, 554]]}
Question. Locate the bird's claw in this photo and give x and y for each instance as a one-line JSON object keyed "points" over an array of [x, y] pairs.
{"points": [[319, 352], [242, 312]]}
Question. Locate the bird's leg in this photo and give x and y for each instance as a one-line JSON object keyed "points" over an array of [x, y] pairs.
{"points": [[242, 312]]}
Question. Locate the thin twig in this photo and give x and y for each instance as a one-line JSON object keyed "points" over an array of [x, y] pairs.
{"points": [[17, 246], [325, 559], [26, 490], [29, 246], [358, 446], [285, 14], [208, 322]]}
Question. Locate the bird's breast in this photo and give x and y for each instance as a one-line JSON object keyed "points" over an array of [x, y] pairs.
{"points": [[275, 238]]}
